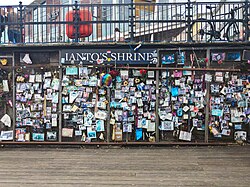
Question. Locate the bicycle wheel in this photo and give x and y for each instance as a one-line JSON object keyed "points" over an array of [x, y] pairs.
{"points": [[235, 32], [202, 30]]}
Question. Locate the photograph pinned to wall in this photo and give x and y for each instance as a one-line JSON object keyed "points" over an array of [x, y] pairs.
{"points": [[151, 74], [71, 71], [186, 72], [32, 78], [168, 59], [83, 72], [181, 57], [46, 83], [237, 127], [20, 134], [240, 135], [186, 136], [51, 136], [6, 135], [226, 132], [167, 126], [100, 126], [233, 56], [38, 136], [127, 127], [208, 77], [55, 84], [151, 126], [67, 132], [200, 125], [49, 94], [55, 97], [218, 56], [47, 74], [124, 74], [38, 78], [78, 133], [118, 134], [91, 134]]}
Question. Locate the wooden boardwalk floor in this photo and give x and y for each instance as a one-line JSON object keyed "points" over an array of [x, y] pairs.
{"points": [[169, 166]]}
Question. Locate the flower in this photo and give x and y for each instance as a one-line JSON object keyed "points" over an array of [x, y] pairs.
{"points": [[143, 71], [220, 62]]}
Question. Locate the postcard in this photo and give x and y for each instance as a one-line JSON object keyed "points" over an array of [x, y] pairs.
{"points": [[91, 134], [47, 74], [124, 74], [38, 136], [72, 96], [167, 126], [55, 84], [100, 126], [67, 132], [151, 126], [151, 74], [38, 78], [127, 127], [51, 136], [226, 132], [71, 71], [32, 78], [186, 136], [78, 133], [118, 135], [47, 83], [6, 135]]}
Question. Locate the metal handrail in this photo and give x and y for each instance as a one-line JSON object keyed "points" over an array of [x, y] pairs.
{"points": [[136, 22]]}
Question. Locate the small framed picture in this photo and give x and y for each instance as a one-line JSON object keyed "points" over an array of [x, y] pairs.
{"points": [[91, 134], [51, 136], [38, 136], [233, 56]]}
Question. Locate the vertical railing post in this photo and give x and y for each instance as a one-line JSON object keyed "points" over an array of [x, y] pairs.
{"points": [[157, 120], [207, 98], [246, 20], [76, 21], [131, 20], [13, 94], [189, 21], [21, 21]]}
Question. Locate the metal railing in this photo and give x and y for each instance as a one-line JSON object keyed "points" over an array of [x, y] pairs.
{"points": [[132, 22]]}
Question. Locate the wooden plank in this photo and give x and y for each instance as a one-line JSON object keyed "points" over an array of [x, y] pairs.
{"points": [[183, 166]]}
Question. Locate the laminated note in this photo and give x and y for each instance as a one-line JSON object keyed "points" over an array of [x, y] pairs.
{"points": [[38, 78], [5, 86], [99, 125], [139, 134], [32, 78], [186, 136], [71, 71], [55, 84], [67, 132], [54, 120]]}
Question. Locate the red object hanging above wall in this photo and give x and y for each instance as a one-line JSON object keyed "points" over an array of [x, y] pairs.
{"points": [[85, 29]]}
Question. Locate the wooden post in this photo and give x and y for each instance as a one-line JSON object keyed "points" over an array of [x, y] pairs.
{"points": [[157, 133], [60, 99], [109, 113], [207, 110], [14, 95]]}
